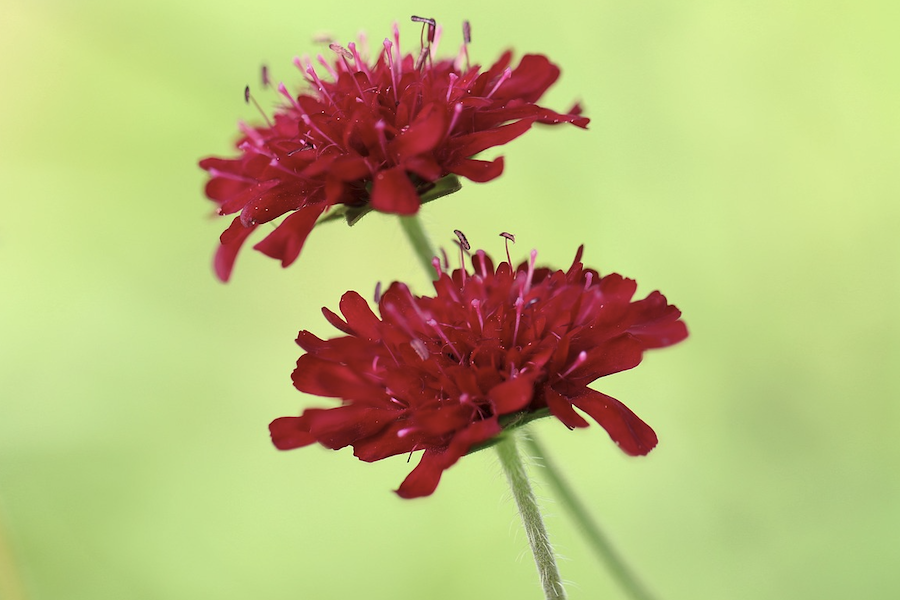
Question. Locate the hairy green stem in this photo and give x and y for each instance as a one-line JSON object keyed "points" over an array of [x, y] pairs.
{"points": [[531, 517], [412, 227], [591, 531]]}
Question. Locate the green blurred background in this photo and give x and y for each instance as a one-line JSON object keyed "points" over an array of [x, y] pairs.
{"points": [[742, 158]]}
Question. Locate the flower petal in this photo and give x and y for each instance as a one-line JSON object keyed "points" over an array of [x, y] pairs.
{"points": [[290, 432], [423, 135], [629, 432], [393, 192], [231, 241], [512, 395], [478, 171], [314, 375], [561, 407], [286, 242], [425, 477], [359, 316], [467, 146]]}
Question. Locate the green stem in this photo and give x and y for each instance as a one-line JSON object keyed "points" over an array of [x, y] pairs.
{"points": [[531, 517], [595, 537], [412, 227]]}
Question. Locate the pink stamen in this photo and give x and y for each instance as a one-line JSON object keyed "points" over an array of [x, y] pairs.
{"points": [[588, 280], [453, 79], [507, 73], [476, 304], [284, 92], [519, 304], [509, 238], [457, 110], [357, 60], [415, 306], [395, 77], [420, 348], [436, 263], [251, 133], [302, 63], [275, 163], [321, 86], [313, 127], [531, 262], [382, 138], [213, 172], [434, 325], [327, 65], [582, 358], [246, 145], [395, 28]]}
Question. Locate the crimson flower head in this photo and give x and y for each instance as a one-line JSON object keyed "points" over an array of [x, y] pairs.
{"points": [[491, 349], [383, 135]]}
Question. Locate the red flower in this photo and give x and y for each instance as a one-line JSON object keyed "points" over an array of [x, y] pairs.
{"points": [[491, 349], [373, 137]]}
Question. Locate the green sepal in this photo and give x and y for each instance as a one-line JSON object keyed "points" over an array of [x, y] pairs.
{"points": [[352, 214]]}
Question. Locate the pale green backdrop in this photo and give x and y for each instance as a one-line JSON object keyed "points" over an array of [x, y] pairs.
{"points": [[743, 158]]}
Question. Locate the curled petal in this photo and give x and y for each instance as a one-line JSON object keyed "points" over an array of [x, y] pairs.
{"points": [[631, 434], [425, 477], [479, 171], [231, 241], [561, 407], [286, 242]]}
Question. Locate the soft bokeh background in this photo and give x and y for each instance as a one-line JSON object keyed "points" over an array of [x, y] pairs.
{"points": [[743, 158]]}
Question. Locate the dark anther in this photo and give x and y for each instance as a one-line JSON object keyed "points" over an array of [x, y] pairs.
{"points": [[341, 50], [265, 76], [432, 24], [463, 242], [467, 32], [247, 94]]}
